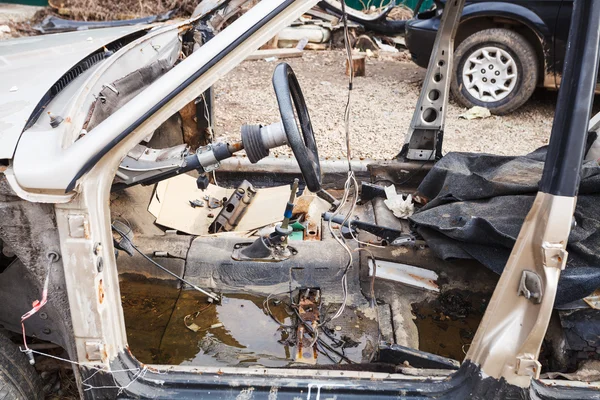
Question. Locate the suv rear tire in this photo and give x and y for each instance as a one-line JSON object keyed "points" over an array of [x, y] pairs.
{"points": [[18, 379], [496, 69]]}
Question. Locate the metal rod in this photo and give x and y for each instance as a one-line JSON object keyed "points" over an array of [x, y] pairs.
{"points": [[209, 294], [290, 205]]}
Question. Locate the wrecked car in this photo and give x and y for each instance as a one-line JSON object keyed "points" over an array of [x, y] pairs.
{"points": [[158, 263]]}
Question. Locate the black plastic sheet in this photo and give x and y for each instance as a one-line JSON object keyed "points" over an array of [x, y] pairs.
{"points": [[477, 205]]}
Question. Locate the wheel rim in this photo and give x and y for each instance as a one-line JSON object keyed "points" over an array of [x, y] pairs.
{"points": [[490, 74]]}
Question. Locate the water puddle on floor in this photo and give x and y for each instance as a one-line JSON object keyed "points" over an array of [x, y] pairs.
{"points": [[236, 332], [447, 325]]}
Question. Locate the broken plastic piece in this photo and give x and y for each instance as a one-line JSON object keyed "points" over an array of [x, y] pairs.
{"points": [[385, 47], [193, 327], [196, 203], [407, 274], [593, 300]]}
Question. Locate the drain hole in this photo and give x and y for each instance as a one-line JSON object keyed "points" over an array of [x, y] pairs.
{"points": [[430, 115], [434, 95], [437, 77]]}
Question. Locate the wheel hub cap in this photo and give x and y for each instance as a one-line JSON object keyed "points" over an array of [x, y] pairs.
{"points": [[490, 74]]}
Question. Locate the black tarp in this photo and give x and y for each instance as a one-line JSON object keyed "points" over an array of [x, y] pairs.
{"points": [[477, 204]]}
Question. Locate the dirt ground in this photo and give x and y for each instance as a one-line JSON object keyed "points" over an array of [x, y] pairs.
{"points": [[382, 107]]}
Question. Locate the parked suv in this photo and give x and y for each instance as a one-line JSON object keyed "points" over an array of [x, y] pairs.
{"points": [[503, 49]]}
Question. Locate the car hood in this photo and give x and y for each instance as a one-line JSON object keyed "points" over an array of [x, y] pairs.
{"points": [[30, 66]]}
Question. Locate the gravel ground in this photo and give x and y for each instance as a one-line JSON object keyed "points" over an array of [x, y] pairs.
{"points": [[382, 107]]}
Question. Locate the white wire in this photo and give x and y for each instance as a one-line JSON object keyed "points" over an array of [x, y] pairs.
{"points": [[210, 130], [340, 239], [140, 372]]}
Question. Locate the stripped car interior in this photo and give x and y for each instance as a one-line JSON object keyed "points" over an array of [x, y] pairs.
{"points": [[166, 264]]}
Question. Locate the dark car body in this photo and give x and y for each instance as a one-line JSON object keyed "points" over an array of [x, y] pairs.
{"points": [[545, 23]]}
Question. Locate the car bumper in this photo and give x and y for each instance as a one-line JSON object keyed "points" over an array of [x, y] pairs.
{"points": [[420, 38]]}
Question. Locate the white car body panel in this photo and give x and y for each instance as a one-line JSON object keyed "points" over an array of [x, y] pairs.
{"points": [[30, 66], [54, 168]]}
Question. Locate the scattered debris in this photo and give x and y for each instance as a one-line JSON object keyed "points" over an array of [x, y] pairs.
{"points": [[385, 47], [402, 208], [476, 112], [196, 203], [289, 37], [213, 202], [593, 300], [407, 274], [190, 317], [171, 206], [316, 46], [274, 53], [587, 372]]}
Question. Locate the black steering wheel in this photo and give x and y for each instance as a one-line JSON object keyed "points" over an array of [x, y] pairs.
{"points": [[304, 146]]}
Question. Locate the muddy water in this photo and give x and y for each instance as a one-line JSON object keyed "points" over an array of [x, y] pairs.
{"points": [[447, 325], [236, 332]]}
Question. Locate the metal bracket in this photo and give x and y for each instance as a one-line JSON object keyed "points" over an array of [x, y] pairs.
{"points": [[392, 236], [555, 255], [309, 302], [527, 365], [93, 350], [234, 209], [530, 287], [425, 135], [261, 252], [207, 159]]}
